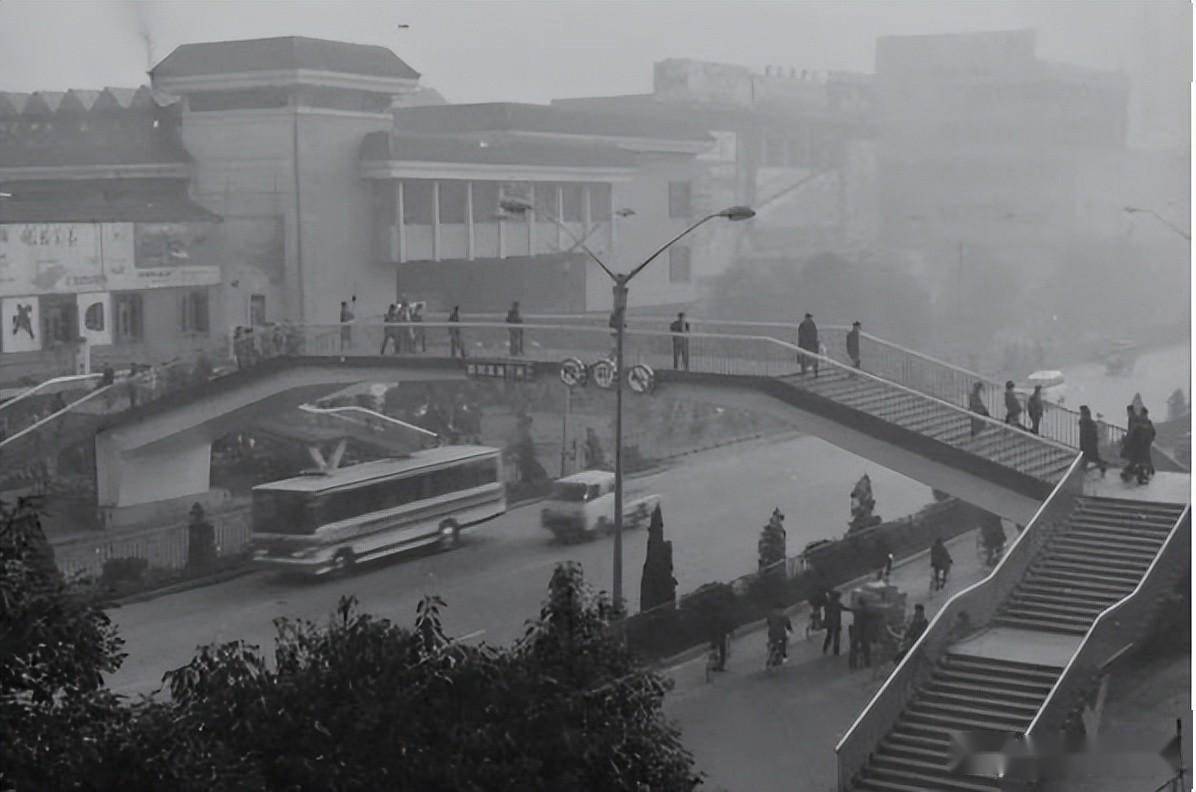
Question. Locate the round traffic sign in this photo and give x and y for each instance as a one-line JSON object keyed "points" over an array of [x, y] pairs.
{"points": [[604, 374], [641, 378], [573, 372]]}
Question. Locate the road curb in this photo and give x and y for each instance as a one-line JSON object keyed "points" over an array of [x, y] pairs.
{"points": [[220, 577], [744, 630]]}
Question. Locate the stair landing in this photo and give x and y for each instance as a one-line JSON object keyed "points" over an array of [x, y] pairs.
{"points": [[1164, 487], [1020, 646]]}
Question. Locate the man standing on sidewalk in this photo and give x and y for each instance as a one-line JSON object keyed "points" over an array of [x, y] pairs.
{"points": [[833, 621]]}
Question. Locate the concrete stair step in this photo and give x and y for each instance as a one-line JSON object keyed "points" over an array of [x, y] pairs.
{"points": [[982, 691], [1097, 560], [1040, 625], [1119, 538], [981, 702], [1087, 612], [1066, 584], [1072, 600], [926, 778], [1028, 671], [965, 717], [1111, 547], [1045, 614], [1101, 571]]}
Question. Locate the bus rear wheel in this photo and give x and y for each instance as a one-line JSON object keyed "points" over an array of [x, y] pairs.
{"points": [[343, 562], [450, 535]]}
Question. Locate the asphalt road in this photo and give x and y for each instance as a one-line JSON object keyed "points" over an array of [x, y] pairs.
{"points": [[714, 505]]}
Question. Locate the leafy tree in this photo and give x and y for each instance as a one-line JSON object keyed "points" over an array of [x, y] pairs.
{"points": [[59, 727], [771, 547], [363, 704], [862, 506], [658, 586]]}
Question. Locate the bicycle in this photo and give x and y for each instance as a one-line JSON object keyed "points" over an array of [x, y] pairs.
{"points": [[815, 624], [776, 654]]}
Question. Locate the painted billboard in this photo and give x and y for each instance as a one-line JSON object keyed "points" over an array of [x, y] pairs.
{"points": [[72, 258], [20, 322]]}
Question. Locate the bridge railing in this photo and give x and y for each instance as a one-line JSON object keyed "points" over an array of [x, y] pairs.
{"points": [[713, 353], [963, 614], [912, 369], [1114, 633]]}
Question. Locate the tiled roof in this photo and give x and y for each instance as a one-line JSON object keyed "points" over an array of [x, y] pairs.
{"points": [[287, 52], [496, 149], [91, 207], [516, 117], [79, 101]]}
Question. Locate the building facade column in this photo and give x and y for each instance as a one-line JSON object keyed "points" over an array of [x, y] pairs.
{"points": [[399, 220], [469, 244], [436, 221]]}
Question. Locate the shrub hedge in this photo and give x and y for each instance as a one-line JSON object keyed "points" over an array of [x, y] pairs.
{"points": [[665, 631]]}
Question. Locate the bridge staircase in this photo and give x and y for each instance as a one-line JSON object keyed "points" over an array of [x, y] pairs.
{"points": [[1025, 650]]}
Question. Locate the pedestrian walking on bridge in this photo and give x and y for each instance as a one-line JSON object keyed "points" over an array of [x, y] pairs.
{"points": [[807, 339], [976, 405], [455, 344], [679, 328], [1013, 407], [1034, 408], [1090, 441], [853, 344], [833, 619], [515, 335]]}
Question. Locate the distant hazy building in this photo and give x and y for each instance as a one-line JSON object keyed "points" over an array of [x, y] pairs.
{"points": [[985, 147], [794, 144]]}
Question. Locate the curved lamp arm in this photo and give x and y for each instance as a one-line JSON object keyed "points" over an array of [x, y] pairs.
{"points": [[734, 213]]}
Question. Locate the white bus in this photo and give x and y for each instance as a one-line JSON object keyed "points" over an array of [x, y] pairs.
{"points": [[325, 522]]}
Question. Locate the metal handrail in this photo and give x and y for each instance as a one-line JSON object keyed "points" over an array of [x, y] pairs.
{"points": [[790, 348], [920, 658], [338, 412], [1055, 707], [25, 394]]}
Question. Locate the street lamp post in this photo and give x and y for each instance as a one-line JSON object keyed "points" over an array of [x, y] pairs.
{"points": [[618, 317]]}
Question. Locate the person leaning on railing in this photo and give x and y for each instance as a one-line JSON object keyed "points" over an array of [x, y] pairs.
{"points": [[976, 405]]}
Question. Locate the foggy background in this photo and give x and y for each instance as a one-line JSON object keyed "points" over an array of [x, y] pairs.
{"points": [[537, 51]]}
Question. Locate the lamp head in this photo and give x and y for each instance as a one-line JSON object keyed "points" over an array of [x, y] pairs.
{"points": [[736, 213]]}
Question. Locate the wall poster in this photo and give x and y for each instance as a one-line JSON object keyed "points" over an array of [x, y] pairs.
{"points": [[95, 317], [20, 323]]}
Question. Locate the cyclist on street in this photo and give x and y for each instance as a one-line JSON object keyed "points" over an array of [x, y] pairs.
{"points": [[779, 628]]}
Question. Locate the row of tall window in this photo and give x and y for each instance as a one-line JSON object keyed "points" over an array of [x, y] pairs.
{"points": [[564, 200]]}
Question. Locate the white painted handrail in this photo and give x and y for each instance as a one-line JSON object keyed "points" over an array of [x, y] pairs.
{"points": [[339, 412], [1105, 618]]}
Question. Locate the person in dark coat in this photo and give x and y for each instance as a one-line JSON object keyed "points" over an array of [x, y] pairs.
{"points": [[515, 335], [913, 631], [1013, 407], [976, 405], [679, 328], [853, 344], [419, 336], [346, 321], [455, 344], [1137, 448], [1090, 441], [833, 619], [388, 332], [201, 541], [1034, 408], [940, 563], [807, 339]]}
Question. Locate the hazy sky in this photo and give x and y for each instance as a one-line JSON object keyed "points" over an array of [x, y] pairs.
{"points": [[535, 51]]}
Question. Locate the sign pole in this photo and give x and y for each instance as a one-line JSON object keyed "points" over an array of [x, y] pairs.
{"points": [[565, 429], [620, 308]]}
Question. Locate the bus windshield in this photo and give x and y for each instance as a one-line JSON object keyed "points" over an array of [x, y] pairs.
{"points": [[282, 513]]}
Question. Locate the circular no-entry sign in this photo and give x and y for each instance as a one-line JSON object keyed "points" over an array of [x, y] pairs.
{"points": [[573, 372], [641, 378]]}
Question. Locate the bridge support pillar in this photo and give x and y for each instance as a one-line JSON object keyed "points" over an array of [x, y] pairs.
{"points": [[178, 467]]}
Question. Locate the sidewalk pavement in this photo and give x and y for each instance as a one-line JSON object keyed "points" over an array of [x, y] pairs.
{"points": [[756, 731]]}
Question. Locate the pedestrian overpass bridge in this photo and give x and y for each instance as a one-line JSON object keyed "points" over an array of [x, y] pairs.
{"points": [[1024, 651], [162, 449]]}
